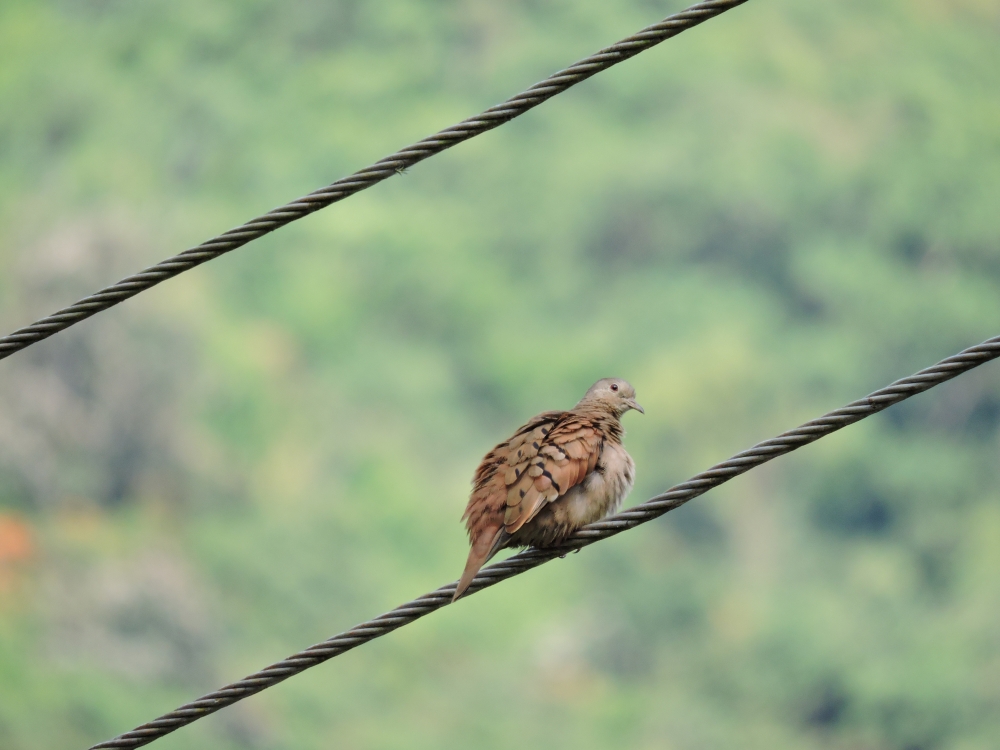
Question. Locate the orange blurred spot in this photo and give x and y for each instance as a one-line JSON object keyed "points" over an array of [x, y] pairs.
{"points": [[16, 542]]}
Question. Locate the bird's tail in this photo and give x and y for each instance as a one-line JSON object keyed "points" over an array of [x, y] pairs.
{"points": [[483, 548]]}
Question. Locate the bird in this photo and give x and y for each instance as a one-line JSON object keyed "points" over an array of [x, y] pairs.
{"points": [[559, 471]]}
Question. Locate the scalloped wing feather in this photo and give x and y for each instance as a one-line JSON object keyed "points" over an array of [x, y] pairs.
{"points": [[546, 465], [539, 463]]}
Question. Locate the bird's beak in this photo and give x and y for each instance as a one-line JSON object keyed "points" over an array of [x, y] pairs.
{"points": [[633, 404]]}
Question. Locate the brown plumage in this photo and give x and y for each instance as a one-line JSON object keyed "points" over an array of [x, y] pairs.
{"points": [[560, 471]]}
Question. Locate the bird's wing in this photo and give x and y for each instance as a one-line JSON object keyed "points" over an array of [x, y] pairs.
{"points": [[488, 502], [541, 461], [544, 460], [484, 515]]}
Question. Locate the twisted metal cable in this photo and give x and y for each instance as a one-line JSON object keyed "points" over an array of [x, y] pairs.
{"points": [[365, 178], [673, 498]]}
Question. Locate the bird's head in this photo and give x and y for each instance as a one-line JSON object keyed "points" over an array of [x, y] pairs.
{"points": [[614, 394]]}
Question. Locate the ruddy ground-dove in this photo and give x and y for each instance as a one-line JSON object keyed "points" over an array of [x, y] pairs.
{"points": [[560, 471]]}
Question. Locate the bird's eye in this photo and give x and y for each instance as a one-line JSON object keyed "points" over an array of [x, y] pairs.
{"points": [[614, 386]]}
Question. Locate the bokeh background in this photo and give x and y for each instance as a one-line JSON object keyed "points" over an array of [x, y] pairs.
{"points": [[762, 219]]}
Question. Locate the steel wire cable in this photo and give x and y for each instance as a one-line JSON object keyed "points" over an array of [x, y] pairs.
{"points": [[673, 498], [365, 178]]}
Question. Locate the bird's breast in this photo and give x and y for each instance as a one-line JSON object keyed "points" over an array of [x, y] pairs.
{"points": [[602, 491]]}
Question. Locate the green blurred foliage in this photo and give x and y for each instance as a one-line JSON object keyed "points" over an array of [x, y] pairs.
{"points": [[760, 220]]}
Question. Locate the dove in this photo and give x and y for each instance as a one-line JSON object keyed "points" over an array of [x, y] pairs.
{"points": [[558, 472]]}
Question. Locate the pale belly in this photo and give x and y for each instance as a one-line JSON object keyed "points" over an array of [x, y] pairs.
{"points": [[599, 494]]}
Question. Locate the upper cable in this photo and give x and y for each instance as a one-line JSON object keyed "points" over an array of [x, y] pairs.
{"points": [[365, 178]]}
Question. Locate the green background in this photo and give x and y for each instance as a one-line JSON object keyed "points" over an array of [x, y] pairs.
{"points": [[758, 221]]}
